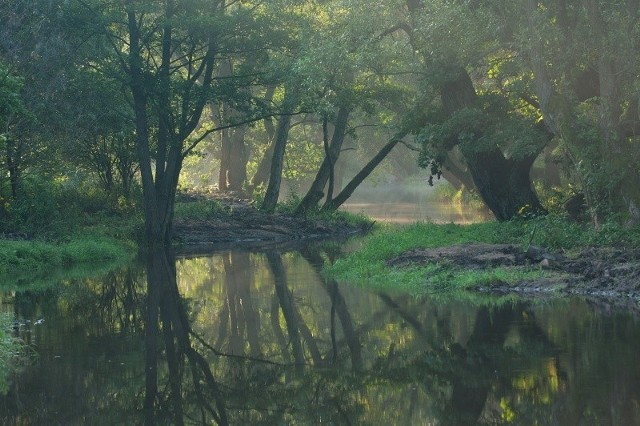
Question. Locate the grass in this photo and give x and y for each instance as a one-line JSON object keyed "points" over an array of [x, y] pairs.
{"points": [[25, 261], [368, 264], [201, 210], [336, 217]]}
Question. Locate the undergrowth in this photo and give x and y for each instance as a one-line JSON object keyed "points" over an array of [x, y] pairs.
{"points": [[30, 260]]}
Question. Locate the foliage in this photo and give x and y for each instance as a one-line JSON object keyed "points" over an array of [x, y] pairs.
{"points": [[14, 353], [200, 210], [36, 258], [55, 208]]}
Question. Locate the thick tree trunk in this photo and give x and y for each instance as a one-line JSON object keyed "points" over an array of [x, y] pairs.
{"points": [[504, 184]]}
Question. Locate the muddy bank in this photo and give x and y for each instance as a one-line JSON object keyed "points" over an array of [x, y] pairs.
{"points": [[243, 224], [602, 272]]}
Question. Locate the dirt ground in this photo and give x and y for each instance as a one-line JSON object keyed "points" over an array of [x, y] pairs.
{"points": [[247, 226], [608, 272]]}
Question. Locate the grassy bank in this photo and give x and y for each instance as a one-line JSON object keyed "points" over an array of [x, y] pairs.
{"points": [[368, 264], [27, 262]]}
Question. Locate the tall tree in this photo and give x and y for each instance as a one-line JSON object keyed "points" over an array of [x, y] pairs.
{"points": [[583, 57], [165, 53]]}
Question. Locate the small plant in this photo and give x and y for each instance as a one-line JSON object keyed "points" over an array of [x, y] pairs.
{"points": [[201, 209]]}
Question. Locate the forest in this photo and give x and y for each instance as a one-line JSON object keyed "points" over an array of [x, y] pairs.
{"points": [[176, 244], [119, 106]]}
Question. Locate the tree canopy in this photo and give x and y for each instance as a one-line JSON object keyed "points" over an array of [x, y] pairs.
{"points": [[317, 93]]}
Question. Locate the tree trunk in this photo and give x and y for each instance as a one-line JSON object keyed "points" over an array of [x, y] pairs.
{"points": [[13, 161], [455, 172], [262, 173], [277, 161], [225, 159], [233, 154], [237, 174], [504, 184], [159, 188], [348, 190], [332, 152]]}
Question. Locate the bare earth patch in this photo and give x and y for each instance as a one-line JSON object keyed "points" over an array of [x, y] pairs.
{"points": [[609, 272], [247, 226]]}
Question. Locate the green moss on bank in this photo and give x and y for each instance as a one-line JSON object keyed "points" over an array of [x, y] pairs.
{"points": [[368, 264]]}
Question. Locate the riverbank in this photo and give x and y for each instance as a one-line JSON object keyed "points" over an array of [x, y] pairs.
{"points": [[542, 256], [203, 223], [226, 220], [539, 257]]}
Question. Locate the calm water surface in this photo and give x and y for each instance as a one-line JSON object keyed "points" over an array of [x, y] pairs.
{"points": [[249, 338], [410, 203]]}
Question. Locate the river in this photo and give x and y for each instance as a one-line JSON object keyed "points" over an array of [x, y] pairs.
{"points": [[261, 337]]}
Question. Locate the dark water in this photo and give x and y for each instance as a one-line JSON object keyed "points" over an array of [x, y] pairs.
{"points": [[253, 338]]}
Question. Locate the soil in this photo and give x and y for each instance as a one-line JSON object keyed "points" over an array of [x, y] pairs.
{"points": [[603, 272], [247, 226]]}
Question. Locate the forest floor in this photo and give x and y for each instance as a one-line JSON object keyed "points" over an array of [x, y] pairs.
{"points": [[603, 271], [242, 224]]}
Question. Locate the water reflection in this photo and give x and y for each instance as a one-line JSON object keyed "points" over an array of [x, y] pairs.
{"points": [[245, 337]]}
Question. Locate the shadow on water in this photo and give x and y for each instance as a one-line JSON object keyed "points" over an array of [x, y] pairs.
{"points": [[262, 337]]}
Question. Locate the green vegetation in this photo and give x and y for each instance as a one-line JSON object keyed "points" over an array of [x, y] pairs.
{"points": [[201, 209], [252, 96], [28, 261], [14, 353], [334, 217], [367, 265]]}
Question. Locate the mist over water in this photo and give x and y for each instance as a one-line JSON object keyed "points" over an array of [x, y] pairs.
{"points": [[405, 203]]}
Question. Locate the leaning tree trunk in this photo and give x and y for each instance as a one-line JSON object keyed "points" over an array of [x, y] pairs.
{"points": [[277, 161], [333, 204], [325, 172]]}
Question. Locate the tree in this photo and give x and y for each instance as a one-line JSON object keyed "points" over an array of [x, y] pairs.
{"points": [[583, 57], [356, 89], [12, 111], [165, 53], [497, 138]]}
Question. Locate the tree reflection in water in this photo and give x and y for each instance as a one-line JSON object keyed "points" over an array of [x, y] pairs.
{"points": [[167, 322], [264, 338]]}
